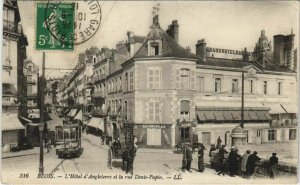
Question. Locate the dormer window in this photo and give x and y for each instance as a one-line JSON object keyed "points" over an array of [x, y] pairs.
{"points": [[154, 47]]}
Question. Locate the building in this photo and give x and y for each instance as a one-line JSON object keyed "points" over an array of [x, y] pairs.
{"points": [[161, 93], [14, 54]]}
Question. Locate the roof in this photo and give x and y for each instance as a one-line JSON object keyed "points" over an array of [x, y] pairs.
{"points": [[231, 63], [11, 122], [170, 48]]}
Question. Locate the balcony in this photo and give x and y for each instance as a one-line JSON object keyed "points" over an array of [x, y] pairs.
{"points": [[12, 27], [31, 81], [7, 64], [98, 95], [99, 77]]}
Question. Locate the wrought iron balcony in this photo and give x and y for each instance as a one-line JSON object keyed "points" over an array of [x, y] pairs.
{"points": [[12, 26]]}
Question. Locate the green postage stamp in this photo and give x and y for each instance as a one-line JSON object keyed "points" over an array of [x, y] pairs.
{"points": [[55, 26]]}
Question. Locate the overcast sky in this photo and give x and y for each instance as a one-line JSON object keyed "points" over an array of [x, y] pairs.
{"points": [[228, 25]]}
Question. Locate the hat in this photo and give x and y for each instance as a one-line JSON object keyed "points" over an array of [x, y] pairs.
{"points": [[274, 153], [232, 148], [255, 152]]}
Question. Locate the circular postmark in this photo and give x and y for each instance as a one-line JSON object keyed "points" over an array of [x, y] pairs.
{"points": [[72, 23]]}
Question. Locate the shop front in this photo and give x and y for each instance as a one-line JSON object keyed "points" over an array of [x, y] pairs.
{"points": [[153, 135]]}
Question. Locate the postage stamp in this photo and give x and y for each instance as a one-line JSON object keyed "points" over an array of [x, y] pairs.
{"points": [[55, 26], [150, 92]]}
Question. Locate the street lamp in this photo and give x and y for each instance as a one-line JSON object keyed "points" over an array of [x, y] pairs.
{"points": [[41, 165]]}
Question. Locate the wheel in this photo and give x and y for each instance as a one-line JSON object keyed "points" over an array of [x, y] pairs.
{"points": [[110, 157]]}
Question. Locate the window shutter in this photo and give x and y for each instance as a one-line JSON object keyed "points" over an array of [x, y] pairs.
{"points": [[193, 80], [177, 80]]}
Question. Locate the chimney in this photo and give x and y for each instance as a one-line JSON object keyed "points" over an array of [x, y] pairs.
{"points": [[173, 30], [245, 55], [201, 49], [131, 42], [279, 49]]}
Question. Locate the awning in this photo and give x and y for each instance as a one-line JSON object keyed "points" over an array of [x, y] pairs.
{"points": [[96, 123], [290, 108], [79, 115], [260, 115], [201, 116], [276, 108], [253, 115], [11, 122], [219, 115], [227, 115], [209, 115], [236, 115], [72, 113]]}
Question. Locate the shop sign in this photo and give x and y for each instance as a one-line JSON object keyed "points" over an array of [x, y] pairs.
{"points": [[185, 124], [154, 126]]}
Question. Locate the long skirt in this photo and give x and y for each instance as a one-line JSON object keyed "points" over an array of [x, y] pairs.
{"points": [[200, 164]]}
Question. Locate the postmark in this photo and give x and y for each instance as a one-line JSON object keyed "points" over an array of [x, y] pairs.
{"points": [[86, 22]]}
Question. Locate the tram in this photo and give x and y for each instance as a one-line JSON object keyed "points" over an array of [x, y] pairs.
{"points": [[68, 140]]}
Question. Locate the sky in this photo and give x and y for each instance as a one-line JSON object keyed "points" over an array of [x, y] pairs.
{"points": [[223, 24]]}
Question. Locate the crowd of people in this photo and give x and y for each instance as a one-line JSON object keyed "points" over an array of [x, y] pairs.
{"points": [[232, 162]]}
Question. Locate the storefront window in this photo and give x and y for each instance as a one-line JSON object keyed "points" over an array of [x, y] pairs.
{"points": [[292, 134], [271, 135]]}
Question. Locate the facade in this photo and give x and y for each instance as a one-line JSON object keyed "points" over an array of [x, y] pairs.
{"points": [[161, 93], [13, 86]]}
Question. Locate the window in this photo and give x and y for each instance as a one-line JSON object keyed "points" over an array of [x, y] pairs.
{"points": [[265, 87], [279, 88], [94, 59], [125, 110], [154, 78], [29, 68], [154, 49], [271, 135], [200, 83], [184, 79], [251, 86], [131, 82], [154, 111], [217, 84], [292, 134], [234, 85], [126, 81], [29, 89], [29, 78], [258, 133], [185, 110]]}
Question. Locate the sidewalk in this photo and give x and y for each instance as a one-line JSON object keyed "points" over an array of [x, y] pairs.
{"points": [[34, 151]]}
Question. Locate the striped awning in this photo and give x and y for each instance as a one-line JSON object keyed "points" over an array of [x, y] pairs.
{"points": [[96, 123], [72, 113], [11, 122], [78, 115]]}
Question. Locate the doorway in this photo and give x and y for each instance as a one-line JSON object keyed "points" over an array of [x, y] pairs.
{"points": [[206, 136]]}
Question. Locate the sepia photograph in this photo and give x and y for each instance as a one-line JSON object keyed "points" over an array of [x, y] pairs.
{"points": [[149, 92]]}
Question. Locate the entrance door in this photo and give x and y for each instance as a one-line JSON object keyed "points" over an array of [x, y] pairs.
{"points": [[258, 136], [185, 134], [206, 138], [154, 136]]}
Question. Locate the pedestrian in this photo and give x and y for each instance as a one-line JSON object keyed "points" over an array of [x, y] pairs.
{"points": [[201, 158], [212, 148], [221, 153], [189, 158], [130, 159], [244, 162], [48, 146], [273, 165], [233, 161], [46, 141], [251, 164], [184, 158], [219, 142]]}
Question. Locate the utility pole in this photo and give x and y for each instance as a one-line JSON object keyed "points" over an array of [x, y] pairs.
{"points": [[242, 113], [42, 118]]}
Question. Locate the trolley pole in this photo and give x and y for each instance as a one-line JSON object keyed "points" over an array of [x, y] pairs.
{"points": [[42, 118], [242, 113]]}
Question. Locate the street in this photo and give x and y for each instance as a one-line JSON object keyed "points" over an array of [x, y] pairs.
{"points": [[160, 166]]}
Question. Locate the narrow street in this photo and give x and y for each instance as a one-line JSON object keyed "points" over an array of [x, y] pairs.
{"points": [[93, 161]]}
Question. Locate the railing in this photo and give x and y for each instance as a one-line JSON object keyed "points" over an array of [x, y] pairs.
{"points": [[12, 26], [31, 80], [99, 77], [98, 94], [7, 63]]}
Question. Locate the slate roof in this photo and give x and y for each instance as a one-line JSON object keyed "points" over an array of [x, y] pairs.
{"points": [[221, 62], [170, 48]]}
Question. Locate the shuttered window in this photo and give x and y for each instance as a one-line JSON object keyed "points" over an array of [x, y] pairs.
{"points": [[177, 79], [154, 111], [154, 78], [131, 81], [200, 83], [193, 80]]}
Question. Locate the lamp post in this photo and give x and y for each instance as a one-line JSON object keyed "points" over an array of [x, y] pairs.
{"points": [[42, 118]]}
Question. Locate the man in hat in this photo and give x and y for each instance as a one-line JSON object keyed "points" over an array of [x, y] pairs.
{"points": [[272, 165], [189, 157], [201, 158], [251, 163], [212, 148], [233, 160], [222, 152]]}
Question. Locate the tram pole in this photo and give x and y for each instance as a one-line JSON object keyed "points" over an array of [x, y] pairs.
{"points": [[42, 117]]}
